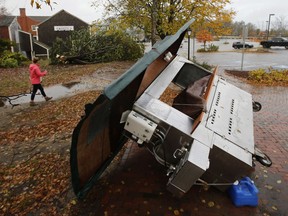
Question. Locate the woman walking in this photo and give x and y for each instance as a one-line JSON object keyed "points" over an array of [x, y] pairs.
{"points": [[35, 78]]}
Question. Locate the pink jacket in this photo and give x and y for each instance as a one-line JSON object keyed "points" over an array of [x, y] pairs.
{"points": [[35, 73]]}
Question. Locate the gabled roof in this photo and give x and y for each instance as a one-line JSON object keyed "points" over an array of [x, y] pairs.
{"points": [[39, 18], [59, 13], [6, 20]]}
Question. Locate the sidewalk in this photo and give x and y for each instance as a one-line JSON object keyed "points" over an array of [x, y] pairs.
{"points": [[135, 184]]}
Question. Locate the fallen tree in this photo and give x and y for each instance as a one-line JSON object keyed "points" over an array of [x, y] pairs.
{"points": [[83, 48]]}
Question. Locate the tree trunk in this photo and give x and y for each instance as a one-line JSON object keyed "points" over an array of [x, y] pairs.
{"points": [[153, 22]]}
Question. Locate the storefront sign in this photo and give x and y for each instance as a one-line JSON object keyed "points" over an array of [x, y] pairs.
{"points": [[63, 28]]}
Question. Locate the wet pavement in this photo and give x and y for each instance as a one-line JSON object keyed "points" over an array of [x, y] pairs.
{"points": [[135, 184], [229, 58], [97, 81]]}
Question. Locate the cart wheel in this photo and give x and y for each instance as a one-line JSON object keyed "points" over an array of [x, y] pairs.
{"points": [[266, 161], [256, 106]]}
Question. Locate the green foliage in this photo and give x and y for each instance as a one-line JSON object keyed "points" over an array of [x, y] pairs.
{"points": [[101, 47], [201, 50], [5, 45], [270, 77], [210, 48], [204, 65], [8, 63], [10, 59]]}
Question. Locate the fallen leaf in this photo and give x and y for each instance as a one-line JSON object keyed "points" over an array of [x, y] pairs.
{"points": [[176, 212], [274, 208], [269, 187], [211, 204]]}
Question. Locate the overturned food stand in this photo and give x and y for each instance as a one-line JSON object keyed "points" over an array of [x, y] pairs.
{"points": [[206, 134]]}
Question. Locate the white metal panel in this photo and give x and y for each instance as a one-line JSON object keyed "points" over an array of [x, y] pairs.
{"points": [[158, 111], [203, 135], [231, 115], [190, 169], [198, 155], [233, 150], [156, 89]]}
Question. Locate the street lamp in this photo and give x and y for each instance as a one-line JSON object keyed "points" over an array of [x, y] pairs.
{"points": [[189, 31], [269, 25], [266, 28]]}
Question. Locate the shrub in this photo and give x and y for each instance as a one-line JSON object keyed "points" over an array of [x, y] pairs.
{"points": [[201, 50], [8, 63], [5, 45], [11, 59], [210, 48], [257, 75], [269, 77]]}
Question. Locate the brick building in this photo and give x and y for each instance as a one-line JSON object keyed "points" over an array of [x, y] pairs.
{"points": [[29, 23], [8, 29]]}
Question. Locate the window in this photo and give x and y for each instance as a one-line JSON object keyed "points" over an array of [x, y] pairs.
{"points": [[34, 27]]}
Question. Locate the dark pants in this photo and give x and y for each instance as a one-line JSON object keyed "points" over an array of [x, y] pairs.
{"points": [[35, 89]]}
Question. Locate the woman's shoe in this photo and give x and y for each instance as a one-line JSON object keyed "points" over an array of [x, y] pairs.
{"points": [[48, 98], [32, 103]]}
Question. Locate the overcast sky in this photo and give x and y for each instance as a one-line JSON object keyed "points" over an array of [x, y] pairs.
{"points": [[254, 11]]}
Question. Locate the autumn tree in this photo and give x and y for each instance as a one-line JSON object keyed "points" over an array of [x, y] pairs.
{"points": [[204, 36], [159, 18]]}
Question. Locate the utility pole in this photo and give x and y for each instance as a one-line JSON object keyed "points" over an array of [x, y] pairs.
{"points": [[244, 34], [269, 25]]}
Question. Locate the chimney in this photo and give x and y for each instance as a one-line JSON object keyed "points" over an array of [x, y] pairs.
{"points": [[22, 12]]}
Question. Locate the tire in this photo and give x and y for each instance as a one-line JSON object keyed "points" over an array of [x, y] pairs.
{"points": [[286, 47], [265, 161], [256, 106]]}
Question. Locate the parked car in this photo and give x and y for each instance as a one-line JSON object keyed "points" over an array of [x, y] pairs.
{"points": [[239, 45], [276, 41]]}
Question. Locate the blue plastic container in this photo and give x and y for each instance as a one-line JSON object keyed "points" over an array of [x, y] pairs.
{"points": [[245, 193]]}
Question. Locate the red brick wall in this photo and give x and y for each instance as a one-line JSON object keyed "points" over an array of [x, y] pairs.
{"points": [[4, 33], [25, 22]]}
